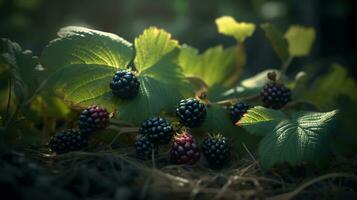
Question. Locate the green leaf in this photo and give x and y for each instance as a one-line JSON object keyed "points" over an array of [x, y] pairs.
{"points": [[276, 37], [260, 120], [214, 66], [250, 86], [79, 45], [300, 40], [85, 84], [239, 30], [303, 137], [25, 70], [151, 46], [161, 88], [327, 88], [218, 121]]}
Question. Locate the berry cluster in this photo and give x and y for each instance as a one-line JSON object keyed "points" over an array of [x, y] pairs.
{"points": [[125, 85], [184, 149], [216, 150], [191, 112], [274, 94], [68, 140], [92, 119], [237, 111]]}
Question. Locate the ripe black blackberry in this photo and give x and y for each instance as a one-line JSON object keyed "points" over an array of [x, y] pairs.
{"points": [[184, 149], [125, 85], [144, 147], [157, 130], [191, 112], [67, 140], [93, 118], [274, 94], [216, 150], [237, 111]]}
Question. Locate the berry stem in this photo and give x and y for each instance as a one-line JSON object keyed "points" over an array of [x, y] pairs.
{"points": [[286, 64], [198, 80]]}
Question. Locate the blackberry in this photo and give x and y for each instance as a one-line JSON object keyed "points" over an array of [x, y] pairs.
{"points": [[184, 149], [237, 111], [191, 112], [157, 130], [275, 95], [93, 118], [125, 85], [66, 141], [216, 150], [144, 147]]}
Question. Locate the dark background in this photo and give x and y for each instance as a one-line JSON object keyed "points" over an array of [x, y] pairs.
{"points": [[33, 23]]}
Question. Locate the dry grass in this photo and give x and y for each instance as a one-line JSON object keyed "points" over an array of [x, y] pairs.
{"points": [[243, 179]]}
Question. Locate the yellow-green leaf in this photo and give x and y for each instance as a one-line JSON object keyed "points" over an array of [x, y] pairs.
{"points": [[239, 30], [151, 46], [300, 40]]}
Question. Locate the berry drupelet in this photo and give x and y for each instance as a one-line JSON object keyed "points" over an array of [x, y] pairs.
{"points": [[184, 149], [125, 85], [191, 112], [157, 130], [93, 118], [66, 141], [144, 147], [274, 94], [216, 150], [237, 111]]}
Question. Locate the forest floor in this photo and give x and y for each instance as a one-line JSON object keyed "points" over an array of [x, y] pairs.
{"points": [[118, 174]]}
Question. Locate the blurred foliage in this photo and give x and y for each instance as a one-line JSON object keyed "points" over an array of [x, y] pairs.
{"points": [[33, 22]]}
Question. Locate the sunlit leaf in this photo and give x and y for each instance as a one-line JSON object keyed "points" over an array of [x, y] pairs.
{"points": [[151, 46], [213, 66], [300, 40], [79, 45], [230, 27]]}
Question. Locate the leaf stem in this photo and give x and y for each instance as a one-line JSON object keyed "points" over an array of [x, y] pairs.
{"points": [[286, 64]]}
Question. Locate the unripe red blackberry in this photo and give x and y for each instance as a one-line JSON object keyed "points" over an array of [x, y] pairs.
{"points": [[92, 119], [184, 149], [191, 112], [274, 94], [125, 85], [237, 111], [216, 150], [157, 130], [144, 147], [66, 141]]}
